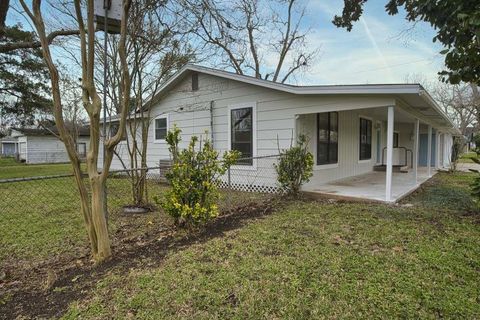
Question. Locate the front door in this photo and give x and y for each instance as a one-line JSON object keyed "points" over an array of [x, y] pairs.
{"points": [[423, 152]]}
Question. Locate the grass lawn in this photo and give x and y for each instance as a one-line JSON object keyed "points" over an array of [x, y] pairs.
{"points": [[9, 168], [41, 219], [467, 157], [316, 260]]}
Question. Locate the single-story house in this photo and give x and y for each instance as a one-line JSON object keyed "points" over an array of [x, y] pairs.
{"points": [[8, 146], [369, 141], [42, 144]]}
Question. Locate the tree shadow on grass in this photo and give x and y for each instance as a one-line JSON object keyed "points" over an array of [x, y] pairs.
{"points": [[70, 282], [446, 192]]}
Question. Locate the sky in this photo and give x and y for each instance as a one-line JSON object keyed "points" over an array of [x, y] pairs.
{"points": [[377, 50]]}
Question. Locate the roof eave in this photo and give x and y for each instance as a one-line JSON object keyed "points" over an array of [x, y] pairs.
{"points": [[432, 103]]}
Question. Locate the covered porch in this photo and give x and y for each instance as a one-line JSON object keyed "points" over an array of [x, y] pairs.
{"points": [[371, 186], [381, 153]]}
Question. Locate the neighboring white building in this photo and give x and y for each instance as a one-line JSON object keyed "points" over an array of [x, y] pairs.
{"points": [[8, 147], [42, 145], [360, 135]]}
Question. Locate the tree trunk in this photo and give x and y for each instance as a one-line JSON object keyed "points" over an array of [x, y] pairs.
{"points": [[85, 207], [99, 220], [4, 4]]}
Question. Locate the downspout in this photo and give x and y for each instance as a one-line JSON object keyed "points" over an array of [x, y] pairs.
{"points": [[211, 120], [26, 149]]}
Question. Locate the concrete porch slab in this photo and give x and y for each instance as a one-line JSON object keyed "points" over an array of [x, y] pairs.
{"points": [[371, 186]]}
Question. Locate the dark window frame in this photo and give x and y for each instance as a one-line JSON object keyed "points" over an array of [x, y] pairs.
{"points": [[330, 159], [155, 128], [396, 139], [113, 129], [233, 142], [365, 147]]}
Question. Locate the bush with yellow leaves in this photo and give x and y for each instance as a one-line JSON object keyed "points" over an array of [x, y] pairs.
{"points": [[194, 179]]}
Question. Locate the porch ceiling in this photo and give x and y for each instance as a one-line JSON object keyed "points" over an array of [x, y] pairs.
{"points": [[423, 107], [400, 115]]}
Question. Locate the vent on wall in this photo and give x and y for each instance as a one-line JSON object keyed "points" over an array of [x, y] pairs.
{"points": [[194, 81]]}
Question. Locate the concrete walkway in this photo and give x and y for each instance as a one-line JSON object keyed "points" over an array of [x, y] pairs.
{"points": [[465, 167]]}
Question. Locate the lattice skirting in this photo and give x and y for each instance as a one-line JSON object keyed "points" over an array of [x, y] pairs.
{"points": [[250, 187]]}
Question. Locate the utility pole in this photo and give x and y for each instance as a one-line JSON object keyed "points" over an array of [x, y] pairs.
{"points": [[108, 15], [106, 6]]}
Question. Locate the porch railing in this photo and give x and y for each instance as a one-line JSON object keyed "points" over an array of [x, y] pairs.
{"points": [[406, 152]]}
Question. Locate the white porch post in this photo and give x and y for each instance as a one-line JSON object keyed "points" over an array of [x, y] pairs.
{"points": [[439, 147], [390, 124], [429, 151], [416, 131]]}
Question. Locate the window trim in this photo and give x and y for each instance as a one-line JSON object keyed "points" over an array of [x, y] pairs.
{"points": [[252, 105], [326, 165], [161, 116], [360, 160]]}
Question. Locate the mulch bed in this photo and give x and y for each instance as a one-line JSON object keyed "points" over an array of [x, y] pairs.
{"points": [[46, 290]]}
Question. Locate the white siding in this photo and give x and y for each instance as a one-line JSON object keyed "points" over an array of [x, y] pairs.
{"points": [[275, 112], [276, 124], [45, 149], [348, 147], [279, 116]]}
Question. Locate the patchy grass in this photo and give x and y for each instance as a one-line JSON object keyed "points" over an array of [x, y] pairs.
{"points": [[316, 260], [8, 162], [446, 191], [467, 157], [9, 168], [41, 219]]}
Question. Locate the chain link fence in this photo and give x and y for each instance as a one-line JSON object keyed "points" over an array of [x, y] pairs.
{"points": [[38, 157], [57, 194]]}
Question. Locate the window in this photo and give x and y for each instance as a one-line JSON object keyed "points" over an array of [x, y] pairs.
{"points": [[82, 149], [365, 139], [161, 128], [327, 138], [194, 81], [114, 129], [395, 139], [242, 133]]}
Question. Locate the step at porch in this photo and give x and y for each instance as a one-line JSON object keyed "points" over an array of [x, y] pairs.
{"points": [[395, 168]]}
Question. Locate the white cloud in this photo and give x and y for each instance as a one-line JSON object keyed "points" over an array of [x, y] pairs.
{"points": [[373, 52]]}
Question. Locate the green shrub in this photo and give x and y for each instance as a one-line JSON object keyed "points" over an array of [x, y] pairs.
{"points": [[194, 179], [476, 140], [476, 188], [476, 182], [295, 166]]}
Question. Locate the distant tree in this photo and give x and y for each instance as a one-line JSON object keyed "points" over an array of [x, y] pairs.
{"points": [[73, 111], [24, 80], [249, 34], [457, 23], [459, 102], [4, 5]]}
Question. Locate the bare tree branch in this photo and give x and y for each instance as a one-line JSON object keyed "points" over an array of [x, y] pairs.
{"points": [[242, 32]]}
